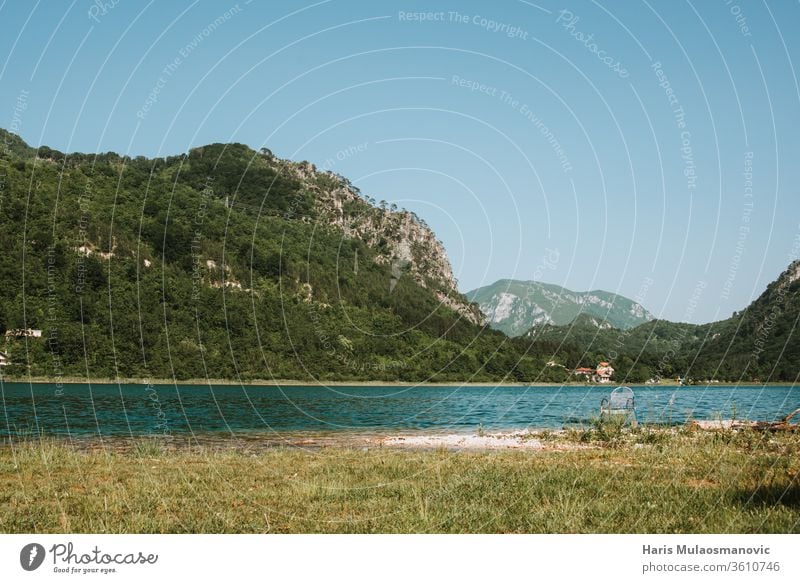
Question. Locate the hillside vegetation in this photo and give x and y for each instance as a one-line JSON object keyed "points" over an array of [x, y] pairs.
{"points": [[227, 263]]}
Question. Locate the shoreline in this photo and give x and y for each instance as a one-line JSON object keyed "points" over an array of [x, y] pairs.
{"points": [[376, 383], [451, 439], [454, 440]]}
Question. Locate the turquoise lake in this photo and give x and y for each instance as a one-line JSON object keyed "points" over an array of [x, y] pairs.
{"points": [[135, 409]]}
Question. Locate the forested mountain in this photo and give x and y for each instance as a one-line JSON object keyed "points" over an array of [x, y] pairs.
{"points": [[227, 263], [514, 306], [760, 343], [231, 263]]}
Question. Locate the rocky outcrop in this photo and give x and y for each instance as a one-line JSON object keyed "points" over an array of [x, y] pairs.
{"points": [[400, 238], [792, 274]]}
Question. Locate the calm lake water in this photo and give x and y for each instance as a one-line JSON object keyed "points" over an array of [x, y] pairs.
{"points": [[118, 410]]}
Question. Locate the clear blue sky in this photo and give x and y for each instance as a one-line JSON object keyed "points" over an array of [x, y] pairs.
{"points": [[618, 157]]}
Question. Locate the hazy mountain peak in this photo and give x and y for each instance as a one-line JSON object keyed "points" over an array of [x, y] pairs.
{"points": [[515, 306]]}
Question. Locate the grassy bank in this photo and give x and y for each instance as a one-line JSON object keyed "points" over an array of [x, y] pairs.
{"points": [[591, 481]]}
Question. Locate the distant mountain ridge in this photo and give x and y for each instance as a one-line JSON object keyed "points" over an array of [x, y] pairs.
{"points": [[514, 306]]}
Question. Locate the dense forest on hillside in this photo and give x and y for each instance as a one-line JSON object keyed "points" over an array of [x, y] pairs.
{"points": [[215, 264], [225, 263]]}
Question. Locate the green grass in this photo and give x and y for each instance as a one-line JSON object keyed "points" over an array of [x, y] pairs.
{"points": [[629, 481]]}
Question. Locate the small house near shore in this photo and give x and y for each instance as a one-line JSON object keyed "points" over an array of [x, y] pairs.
{"points": [[600, 374], [583, 371], [603, 373]]}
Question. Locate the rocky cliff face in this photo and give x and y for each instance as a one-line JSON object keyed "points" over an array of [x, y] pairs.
{"points": [[400, 238]]}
